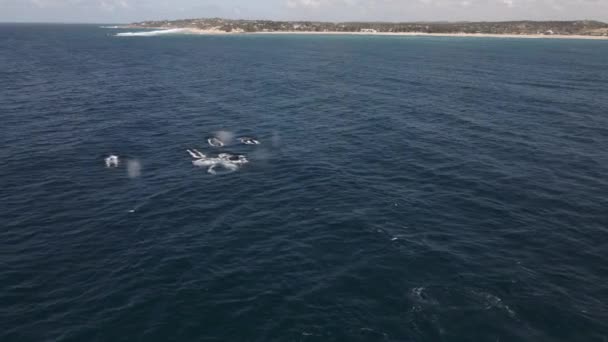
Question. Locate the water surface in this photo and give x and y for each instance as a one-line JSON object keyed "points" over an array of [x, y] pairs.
{"points": [[406, 188]]}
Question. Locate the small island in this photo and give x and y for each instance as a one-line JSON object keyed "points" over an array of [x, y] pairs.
{"points": [[540, 29]]}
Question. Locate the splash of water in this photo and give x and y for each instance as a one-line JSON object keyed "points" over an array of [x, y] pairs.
{"points": [[225, 136], [112, 161], [133, 168]]}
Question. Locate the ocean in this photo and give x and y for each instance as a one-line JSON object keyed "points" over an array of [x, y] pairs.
{"points": [[404, 188]]}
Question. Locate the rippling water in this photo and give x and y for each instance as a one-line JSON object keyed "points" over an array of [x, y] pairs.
{"points": [[405, 188]]}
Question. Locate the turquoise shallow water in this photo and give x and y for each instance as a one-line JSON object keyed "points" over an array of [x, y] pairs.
{"points": [[405, 188]]}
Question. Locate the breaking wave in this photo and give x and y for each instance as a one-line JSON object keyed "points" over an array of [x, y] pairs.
{"points": [[151, 33]]}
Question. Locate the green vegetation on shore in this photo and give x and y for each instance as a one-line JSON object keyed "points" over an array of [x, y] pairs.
{"points": [[581, 27]]}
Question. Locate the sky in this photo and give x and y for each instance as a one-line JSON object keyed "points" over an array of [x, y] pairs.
{"points": [[125, 11]]}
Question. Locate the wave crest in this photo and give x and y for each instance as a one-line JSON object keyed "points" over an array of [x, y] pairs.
{"points": [[152, 33]]}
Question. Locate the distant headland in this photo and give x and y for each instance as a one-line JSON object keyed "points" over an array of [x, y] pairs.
{"points": [[530, 29]]}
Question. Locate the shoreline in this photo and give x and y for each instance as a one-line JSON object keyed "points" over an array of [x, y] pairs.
{"points": [[461, 35], [178, 30]]}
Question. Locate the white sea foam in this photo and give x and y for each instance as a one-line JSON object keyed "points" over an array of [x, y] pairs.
{"points": [[491, 301], [223, 163], [112, 161], [248, 141], [421, 295], [152, 33], [215, 142], [221, 138], [222, 167], [417, 292]]}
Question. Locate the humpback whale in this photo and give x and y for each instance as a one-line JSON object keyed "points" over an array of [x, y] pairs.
{"points": [[248, 141], [226, 161]]}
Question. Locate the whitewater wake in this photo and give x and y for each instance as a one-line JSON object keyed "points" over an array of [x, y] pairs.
{"points": [[152, 33]]}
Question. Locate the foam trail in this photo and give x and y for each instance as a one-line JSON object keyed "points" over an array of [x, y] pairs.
{"points": [[152, 33]]}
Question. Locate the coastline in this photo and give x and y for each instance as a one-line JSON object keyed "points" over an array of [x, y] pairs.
{"points": [[460, 35], [178, 30]]}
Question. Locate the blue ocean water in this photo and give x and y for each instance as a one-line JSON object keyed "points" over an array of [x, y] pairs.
{"points": [[405, 188]]}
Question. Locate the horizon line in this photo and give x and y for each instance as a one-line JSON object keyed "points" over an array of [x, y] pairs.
{"points": [[299, 20]]}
